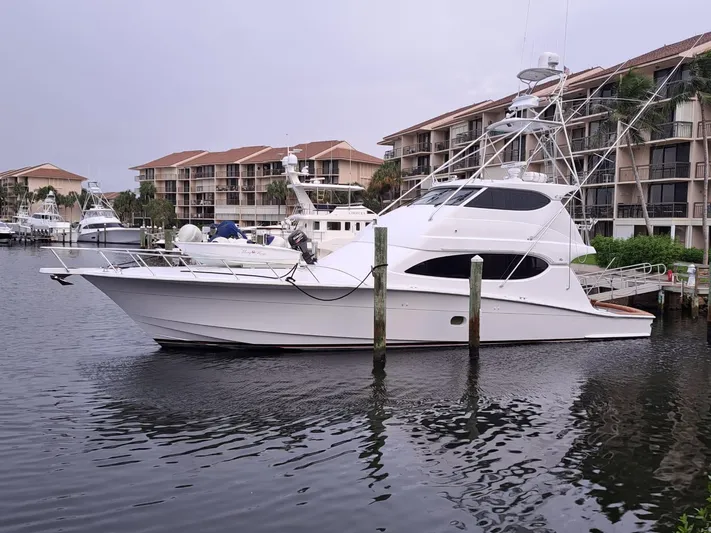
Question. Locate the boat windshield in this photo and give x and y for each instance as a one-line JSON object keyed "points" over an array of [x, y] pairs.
{"points": [[439, 195], [3, 225], [99, 213]]}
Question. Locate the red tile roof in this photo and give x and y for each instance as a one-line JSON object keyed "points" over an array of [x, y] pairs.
{"points": [[39, 172], [171, 160], [308, 150], [234, 155], [429, 121], [350, 155]]}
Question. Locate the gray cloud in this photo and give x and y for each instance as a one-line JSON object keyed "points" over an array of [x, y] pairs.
{"points": [[96, 87]]}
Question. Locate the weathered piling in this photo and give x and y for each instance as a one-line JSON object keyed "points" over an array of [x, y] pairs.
{"points": [[142, 236], [694, 280], [106, 235], [380, 287], [168, 239], [475, 274]]}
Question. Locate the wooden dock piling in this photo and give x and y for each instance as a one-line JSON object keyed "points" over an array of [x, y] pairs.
{"points": [[142, 236], [380, 287], [168, 239], [475, 275], [695, 297]]}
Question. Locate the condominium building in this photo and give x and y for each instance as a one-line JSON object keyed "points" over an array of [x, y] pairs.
{"points": [[28, 179], [210, 187], [669, 161]]}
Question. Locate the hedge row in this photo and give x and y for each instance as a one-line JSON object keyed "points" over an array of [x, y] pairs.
{"points": [[643, 249]]}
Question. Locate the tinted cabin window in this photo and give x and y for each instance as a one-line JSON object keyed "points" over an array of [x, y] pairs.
{"points": [[335, 226], [509, 200], [439, 195], [496, 266]]}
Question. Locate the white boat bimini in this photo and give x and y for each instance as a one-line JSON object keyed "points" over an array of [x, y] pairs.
{"points": [[518, 224], [100, 223]]}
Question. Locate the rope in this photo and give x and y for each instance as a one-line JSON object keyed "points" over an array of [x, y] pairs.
{"points": [[293, 283]]}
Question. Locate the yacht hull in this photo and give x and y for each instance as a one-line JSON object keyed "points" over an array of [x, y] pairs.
{"points": [[279, 316], [113, 236]]}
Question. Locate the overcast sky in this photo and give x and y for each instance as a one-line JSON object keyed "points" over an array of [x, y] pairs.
{"points": [[97, 86]]}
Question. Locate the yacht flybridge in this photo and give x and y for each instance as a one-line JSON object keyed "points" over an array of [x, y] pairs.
{"points": [[99, 222], [518, 224]]}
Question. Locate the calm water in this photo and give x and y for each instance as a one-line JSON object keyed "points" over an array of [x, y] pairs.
{"points": [[102, 431]]}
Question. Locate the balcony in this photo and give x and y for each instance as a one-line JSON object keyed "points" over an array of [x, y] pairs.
{"points": [[248, 173], [700, 128], [418, 148], [594, 211], [268, 172], [205, 188], [203, 175], [671, 89], [596, 141], [468, 162], [673, 130], [699, 170], [662, 171], [665, 210], [392, 154], [441, 146], [415, 171], [467, 136]]}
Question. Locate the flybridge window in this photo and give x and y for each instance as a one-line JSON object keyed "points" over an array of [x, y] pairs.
{"points": [[496, 266], [101, 226], [439, 195], [509, 200]]}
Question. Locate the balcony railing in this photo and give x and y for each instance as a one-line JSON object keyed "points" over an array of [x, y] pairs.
{"points": [[415, 171], [325, 171], [417, 148], [248, 174], [512, 155], [441, 146], [203, 175], [699, 170], [468, 162], [599, 176], [665, 210], [700, 128], [594, 211], [699, 209], [671, 89], [392, 154], [596, 141], [467, 136], [265, 172], [673, 130], [661, 171]]}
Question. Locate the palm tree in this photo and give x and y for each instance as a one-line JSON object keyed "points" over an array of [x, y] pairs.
{"points": [[698, 85], [42, 193], [125, 205], [633, 91], [3, 199], [278, 191], [386, 181], [18, 191], [162, 212], [146, 193], [68, 201]]}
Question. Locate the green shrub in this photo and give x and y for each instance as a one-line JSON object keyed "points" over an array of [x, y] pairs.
{"points": [[635, 250], [692, 255], [699, 522]]}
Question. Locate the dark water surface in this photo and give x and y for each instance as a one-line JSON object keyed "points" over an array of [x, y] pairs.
{"points": [[102, 431]]}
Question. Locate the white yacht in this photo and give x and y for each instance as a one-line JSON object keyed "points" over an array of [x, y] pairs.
{"points": [[517, 224], [6, 233], [100, 223], [48, 219]]}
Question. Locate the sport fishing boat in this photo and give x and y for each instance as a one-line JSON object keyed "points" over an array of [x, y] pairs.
{"points": [[519, 225], [48, 219], [99, 222], [19, 220]]}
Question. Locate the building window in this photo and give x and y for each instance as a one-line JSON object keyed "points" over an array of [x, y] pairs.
{"points": [[515, 151], [670, 161], [509, 200], [496, 266], [233, 171], [599, 196], [668, 193]]}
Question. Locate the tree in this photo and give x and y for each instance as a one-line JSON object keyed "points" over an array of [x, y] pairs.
{"points": [[162, 212], [18, 191], [633, 91], [698, 85], [42, 193], [126, 205], [278, 191], [386, 181], [3, 199], [147, 192]]}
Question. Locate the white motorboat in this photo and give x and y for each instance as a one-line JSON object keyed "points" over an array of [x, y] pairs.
{"points": [[6, 233], [48, 219], [518, 225], [99, 222]]}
